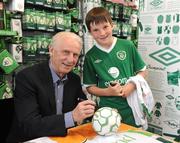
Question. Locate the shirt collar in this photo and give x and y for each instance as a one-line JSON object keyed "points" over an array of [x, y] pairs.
{"points": [[109, 49], [55, 77]]}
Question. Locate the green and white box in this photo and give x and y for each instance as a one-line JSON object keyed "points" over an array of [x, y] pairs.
{"points": [[16, 26], [16, 5], [5, 91], [16, 51], [7, 63]]}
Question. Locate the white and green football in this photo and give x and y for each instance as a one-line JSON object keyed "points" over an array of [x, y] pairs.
{"points": [[106, 121]]}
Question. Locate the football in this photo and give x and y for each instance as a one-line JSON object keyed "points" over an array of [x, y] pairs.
{"points": [[106, 121]]}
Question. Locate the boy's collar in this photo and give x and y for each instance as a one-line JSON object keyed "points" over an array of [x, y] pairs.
{"points": [[109, 49]]}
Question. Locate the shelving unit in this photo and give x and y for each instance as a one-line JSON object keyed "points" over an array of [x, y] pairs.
{"points": [[34, 25], [7, 33]]}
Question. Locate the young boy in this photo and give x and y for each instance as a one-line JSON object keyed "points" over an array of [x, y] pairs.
{"points": [[109, 64]]}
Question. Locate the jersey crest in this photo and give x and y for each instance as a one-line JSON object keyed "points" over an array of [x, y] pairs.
{"points": [[121, 55]]}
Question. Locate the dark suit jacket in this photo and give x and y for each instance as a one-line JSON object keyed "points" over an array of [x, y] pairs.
{"points": [[35, 105]]}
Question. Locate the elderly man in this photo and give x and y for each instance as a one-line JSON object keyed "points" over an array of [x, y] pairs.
{"points": [[47, 94]]}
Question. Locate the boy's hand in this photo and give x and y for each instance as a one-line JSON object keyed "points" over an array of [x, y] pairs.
{"points": [[115, 89], [127, 89], [83, 110]]}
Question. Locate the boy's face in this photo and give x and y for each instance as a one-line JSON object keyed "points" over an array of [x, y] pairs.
{"points": [[102, 33]]}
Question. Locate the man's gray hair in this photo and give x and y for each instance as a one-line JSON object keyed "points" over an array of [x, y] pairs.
{"points": [[63, 35]]}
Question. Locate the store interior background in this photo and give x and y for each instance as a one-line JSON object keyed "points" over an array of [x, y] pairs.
{"points": [[27, 26]]}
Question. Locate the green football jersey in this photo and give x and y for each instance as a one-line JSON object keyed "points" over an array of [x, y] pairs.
{"points": [[102, 67]]}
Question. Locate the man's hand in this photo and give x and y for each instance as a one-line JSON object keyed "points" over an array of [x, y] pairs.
{"points": [[83, 110]]}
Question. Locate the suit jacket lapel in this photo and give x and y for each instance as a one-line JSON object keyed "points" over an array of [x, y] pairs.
{"points": [[48, 86]]}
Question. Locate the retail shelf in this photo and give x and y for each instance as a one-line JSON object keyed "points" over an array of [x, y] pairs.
{"points": [[5, 33]]}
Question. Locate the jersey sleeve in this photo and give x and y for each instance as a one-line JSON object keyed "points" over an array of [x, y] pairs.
{"points": [[89, 73]]}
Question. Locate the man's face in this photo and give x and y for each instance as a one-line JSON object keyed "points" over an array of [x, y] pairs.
{"points": [[64, 55], [102, 33]]}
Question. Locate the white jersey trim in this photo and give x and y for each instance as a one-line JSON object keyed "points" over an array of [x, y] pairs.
{"points": [[109, 49], [143, 69], [88, 85]]}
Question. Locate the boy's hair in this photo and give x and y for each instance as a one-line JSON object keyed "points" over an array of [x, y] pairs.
{"points": [[97, 15]]}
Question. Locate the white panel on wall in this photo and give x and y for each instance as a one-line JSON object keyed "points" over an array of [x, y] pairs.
{"points": [[159, 44]]}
